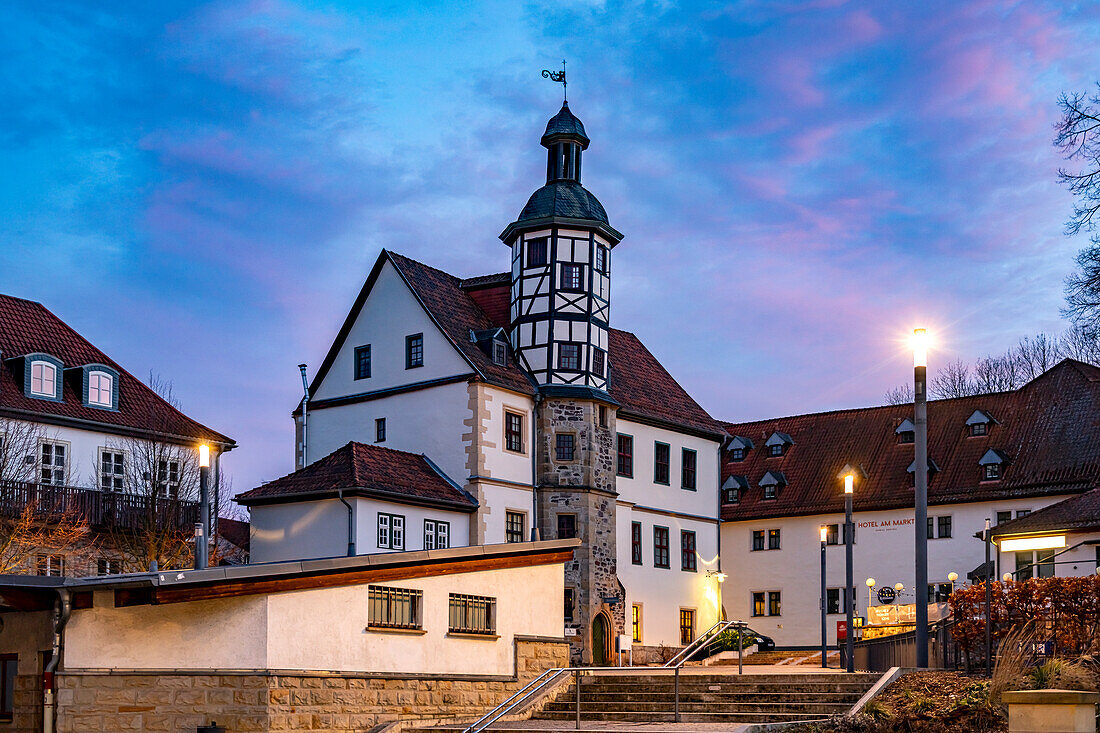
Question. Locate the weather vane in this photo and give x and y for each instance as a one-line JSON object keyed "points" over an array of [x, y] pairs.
{"points": [[558, 76]]}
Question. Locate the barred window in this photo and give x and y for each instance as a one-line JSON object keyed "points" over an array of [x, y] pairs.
{"points": [[472, 614], [394, 608]]}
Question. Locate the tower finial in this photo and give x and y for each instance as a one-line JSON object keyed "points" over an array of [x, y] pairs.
{"points": [[558, 76]]}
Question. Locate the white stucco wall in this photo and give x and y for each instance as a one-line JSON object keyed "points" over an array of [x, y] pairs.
{"points": [[502, 499], [884, 550], [319, 630], [501, 463], [366, 525], [298, 530], [642, 490], [1078, 558]]}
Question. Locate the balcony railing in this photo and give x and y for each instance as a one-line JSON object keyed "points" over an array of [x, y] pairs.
{"points": [[100, 509]]}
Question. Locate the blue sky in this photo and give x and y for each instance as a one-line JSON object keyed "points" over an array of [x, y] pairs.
{"points": [[200, 188]]}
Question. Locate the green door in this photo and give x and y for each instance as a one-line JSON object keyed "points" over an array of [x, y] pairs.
{"points": [[599, 641]]}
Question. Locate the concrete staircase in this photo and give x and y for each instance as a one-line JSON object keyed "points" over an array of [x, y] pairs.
{"points": [[711, 698]]}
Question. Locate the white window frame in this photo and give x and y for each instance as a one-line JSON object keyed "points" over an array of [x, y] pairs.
{"points": [[118, 480], [42, 367], [53, 466], [391, 531], [95, 387], [166, 485], [437, 534], [54, 564]]}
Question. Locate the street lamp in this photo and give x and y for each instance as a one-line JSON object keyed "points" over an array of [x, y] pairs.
{"points": [[824, 599], [988, 617], [849, 583], [202, 533], [1006, 577], [870, 582], [920, 445]]}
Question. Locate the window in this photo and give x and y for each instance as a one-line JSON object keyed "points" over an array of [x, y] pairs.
{"points": [[563, 446], [601, 258], [636, 543], [43, 379], [472, 614], [101, 389], [380, 430], [51, 565], [687, 626], [362, 362], [626, 456], [774, 603], [906, 437], [572, 277], [931, 528], [687, 469], [978, 428], [394, 608], [570, 602], [944, 527], [636, 623], [1035, 564], [737, 454], [500, 353], [733, 496], [9, 668], [832, 534], [513, 432], [603, 416], [168, 478], [758, 607], [391, 531], [775, 450], [660, 463], [770, 491], [991, 472], [514, 530], [757, 540], [112, 470], [598, 361], [1003, 517], [834, 597], [437, 535], [687, 550], [569, 356], [108, 566], [660, 547], [1022, 513], [536, 252], [567, 526], [773, 539], [414, 351], [52, 463]]}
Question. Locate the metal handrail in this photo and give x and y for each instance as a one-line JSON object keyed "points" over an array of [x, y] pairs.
{"points": [[705, 637]]}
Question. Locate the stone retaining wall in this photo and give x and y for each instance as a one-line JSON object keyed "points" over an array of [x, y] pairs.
{"points": [[335, 703]]}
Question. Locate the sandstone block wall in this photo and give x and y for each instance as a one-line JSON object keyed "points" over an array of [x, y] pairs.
{"points": [[101, 702]]}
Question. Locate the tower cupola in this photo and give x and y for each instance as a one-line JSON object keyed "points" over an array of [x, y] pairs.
{"points": [[564, 141]]}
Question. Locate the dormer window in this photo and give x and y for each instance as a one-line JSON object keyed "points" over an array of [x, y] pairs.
{"points": [[905, 432], [772, 482], [992, 464], [101, 387], [43, 379], [778, 444], [933, 469], [500, 353], [732, 488], [739, 448], [979, 423]]}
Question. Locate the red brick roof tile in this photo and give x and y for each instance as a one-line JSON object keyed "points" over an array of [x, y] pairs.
{"points": [[369, 470], [1049, 429], [27, 327]]}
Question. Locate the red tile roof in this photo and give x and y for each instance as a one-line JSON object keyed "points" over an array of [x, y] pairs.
{"points": [[367, 470], [235, 532], [493, 294], [1049, 429], [27, 327], [1075, 514]]}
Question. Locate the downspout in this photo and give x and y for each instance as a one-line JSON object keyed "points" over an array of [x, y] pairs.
{"points": [[305, 414], [535, 468], [63, 608], [721, 446], [351, 523]]}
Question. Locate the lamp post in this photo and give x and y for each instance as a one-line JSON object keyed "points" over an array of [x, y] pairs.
{"points": [[920, 444], [870, 583], [824, 600], [849, 584], [988, 604], [202, 547]]}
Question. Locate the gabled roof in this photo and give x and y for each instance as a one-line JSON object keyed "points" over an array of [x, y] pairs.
{"points": [[642, 387], [1077, 513], [1050, 427], [27, 327], [366, 470]]}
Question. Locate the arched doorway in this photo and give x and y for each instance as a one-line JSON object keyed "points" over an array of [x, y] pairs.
{"points": [[601, 640]]}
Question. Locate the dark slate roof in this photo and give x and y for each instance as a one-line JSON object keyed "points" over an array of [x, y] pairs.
{"points": [[27, 327], [563, 199], [1049, 429], [235, 532], [1077, 513], [565, 123], [367, 470]]}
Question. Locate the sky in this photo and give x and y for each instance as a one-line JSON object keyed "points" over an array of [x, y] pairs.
{"points": [[201, 188]]}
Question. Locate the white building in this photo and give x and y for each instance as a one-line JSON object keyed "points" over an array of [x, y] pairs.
{"points": [[524, 401], [79, 433], [998, 456], [1061, 540]]}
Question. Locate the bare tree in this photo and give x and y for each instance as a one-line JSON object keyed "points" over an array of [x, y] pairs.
{"points": [[996, 374], [1077, 137], [953, 380], [1080, 344], [1035, 355], [902, 395]]}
